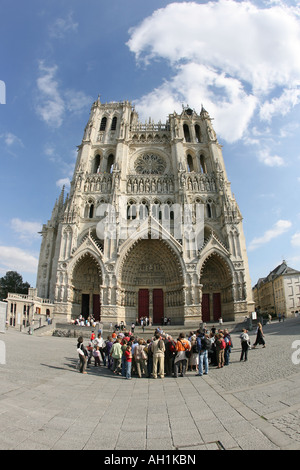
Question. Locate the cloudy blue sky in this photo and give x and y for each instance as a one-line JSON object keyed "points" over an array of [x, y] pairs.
{"points": [[241, 60]]}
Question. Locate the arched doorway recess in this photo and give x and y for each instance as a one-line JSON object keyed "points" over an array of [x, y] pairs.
{"points": [[86, 283], [152, 282], [217, 291]]}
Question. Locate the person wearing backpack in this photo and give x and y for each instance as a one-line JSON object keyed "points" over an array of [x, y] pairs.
{"points": [[158, 350], [204, 345]]}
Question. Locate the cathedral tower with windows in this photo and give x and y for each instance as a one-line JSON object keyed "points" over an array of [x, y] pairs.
{"points": [[150, 226]]}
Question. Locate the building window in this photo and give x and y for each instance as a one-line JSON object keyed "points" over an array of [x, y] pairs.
{"points": [[110, 163], [197, 132], [91, 211], [114, 124], [186, 132], [203, 164], [190, 163], [97, 164], [103, 124]]}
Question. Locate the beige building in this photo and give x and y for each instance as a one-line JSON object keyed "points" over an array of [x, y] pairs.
{"points": [[150, 226], [25, 309], [279, 292]]}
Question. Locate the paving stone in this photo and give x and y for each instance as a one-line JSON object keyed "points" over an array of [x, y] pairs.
{"points": [[44, 401]]}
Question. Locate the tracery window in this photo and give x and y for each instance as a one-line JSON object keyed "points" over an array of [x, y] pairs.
{"points": [[150, 164]]}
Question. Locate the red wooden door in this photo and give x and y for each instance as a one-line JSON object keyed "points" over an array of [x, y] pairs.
{"points": [[158, 305], [217, 306], [143, 305], [96, 306], [205, 308]]}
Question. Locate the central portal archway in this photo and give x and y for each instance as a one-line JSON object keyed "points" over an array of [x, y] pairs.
{"points": [[152, 273]]}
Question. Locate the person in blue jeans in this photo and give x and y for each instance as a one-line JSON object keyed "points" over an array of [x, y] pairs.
{"points": [[128, 361], [203, 343]]}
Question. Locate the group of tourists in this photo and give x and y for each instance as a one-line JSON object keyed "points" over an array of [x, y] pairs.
{"points": [[126, 354]]}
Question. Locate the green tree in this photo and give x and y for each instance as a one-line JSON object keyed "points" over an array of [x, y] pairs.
{"points": [[12, 282]]}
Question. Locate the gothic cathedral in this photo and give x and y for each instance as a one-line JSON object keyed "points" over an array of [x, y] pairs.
{"points": [[150, 226]]}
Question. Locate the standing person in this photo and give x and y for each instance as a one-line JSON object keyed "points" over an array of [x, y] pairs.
{"points": [[82, 352], [109, 345], [169, 355], [220, 347], [149, 353], [194, 359], [204, 345], [99, 341], [124, 344], [228, 341], [181, 359], [259, 336], [132, 327], [158, 350], [116, 354], [96, 355], [140, 358], [128, 361], [245, 344]]}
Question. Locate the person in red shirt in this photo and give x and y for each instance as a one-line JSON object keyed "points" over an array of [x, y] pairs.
{"points": [[128, 362], [93, 336]]}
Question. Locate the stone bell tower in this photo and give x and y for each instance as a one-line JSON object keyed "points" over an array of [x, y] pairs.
{"points": [[150, 226]]}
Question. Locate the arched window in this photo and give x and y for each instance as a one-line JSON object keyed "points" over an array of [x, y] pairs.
{"points": [[110, 162], [203, 164], [131, 211], [190, 163], [114, 123], [186, 132], [91, 211], [208, 211], [143, 210], [197, 132], [103, 124], [97, 164]]}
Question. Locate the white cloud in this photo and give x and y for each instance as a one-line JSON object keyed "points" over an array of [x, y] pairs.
{"points": [[279, 228], [229, 55], [267, 159], [194, 83], [62, 26], [281, 105], [295, 241], [52, 101], [52, 107], [11, 139], [63, 182], [25, 229], [15, 259]]}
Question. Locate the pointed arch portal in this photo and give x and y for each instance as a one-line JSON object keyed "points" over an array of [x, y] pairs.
{"points": [[217, 281], [86, 283], [152, 271]]}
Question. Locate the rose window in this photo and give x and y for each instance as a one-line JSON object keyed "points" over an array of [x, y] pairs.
{"points": [[150, 164]]}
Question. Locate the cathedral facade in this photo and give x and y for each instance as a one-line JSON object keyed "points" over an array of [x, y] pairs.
{"points": [[150, 226]]}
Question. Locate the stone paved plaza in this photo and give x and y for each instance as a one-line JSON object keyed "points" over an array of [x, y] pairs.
{"points": [[46, 404]]}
